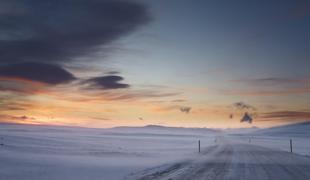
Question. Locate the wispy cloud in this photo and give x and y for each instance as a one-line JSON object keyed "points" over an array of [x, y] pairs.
{"points": [[185, 109], [136, 95], [14, 106], [105, 82], [271, 81], [285, 115], [264, 92], [243, 106], [18, 119], [100, 118], [167, 108]]}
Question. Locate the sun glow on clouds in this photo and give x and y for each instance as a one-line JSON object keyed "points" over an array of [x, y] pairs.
{"points": [[27, 101], [111, 63], [64, 106]]}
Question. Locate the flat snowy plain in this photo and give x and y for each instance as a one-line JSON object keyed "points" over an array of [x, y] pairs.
{"points": [[152, 152]]}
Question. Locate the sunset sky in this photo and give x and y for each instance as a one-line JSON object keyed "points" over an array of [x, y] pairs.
{"points": [[106, 63]]}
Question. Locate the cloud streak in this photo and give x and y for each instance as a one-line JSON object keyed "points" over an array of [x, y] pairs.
{"points": [[105, 83], [286, 115], [243, 106], [264, 92], [40, 72], [17, 119], [271, 81]]}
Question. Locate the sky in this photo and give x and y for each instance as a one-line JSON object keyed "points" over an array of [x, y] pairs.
{"points": [[107, 63]]}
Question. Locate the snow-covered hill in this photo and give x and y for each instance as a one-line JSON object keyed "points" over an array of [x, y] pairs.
{"points": [[291, 130], [32, 152]]}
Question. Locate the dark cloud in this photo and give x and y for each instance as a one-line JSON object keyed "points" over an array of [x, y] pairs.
{"points": [[105, 82], [243, 106], [113, 72], [60, 30], [247, 118], [287, 115], [185, 109], [40, 72], [231, 116], [301, 9]]}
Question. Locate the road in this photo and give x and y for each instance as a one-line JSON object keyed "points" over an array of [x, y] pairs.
{"points": [[232, 161]]}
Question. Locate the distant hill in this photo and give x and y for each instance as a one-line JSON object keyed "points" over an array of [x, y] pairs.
{"points": [[297, 130], [157, 129]]}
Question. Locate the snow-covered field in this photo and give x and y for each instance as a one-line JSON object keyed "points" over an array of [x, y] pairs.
{"points": [[278, 138], [47, 152], [151, 152]]}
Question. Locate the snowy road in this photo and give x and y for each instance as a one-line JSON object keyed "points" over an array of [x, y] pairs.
{"points": [[235, 162]]}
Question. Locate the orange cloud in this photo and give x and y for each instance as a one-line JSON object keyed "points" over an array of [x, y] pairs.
{"points": [[18, 119]]}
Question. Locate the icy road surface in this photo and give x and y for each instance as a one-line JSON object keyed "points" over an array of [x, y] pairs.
{"points": [[234, 161]]}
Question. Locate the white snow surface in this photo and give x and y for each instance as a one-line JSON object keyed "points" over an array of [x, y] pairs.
{"points": [[153, 152], [279, 137], [69, 153]]}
